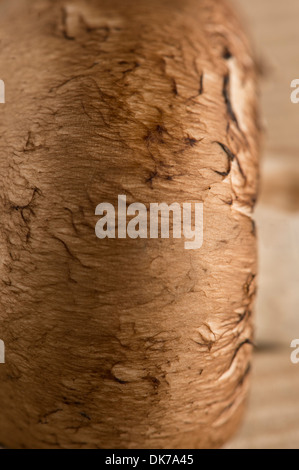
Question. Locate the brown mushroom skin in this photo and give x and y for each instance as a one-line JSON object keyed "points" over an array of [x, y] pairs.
{"points": [[124, 343]]}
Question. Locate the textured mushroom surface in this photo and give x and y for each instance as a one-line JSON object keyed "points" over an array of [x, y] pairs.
{"points": [[124, 343]]}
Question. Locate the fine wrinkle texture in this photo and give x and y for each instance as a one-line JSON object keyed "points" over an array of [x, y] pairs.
{"points": [[125, 343]]}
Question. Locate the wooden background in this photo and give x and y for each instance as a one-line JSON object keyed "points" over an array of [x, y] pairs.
{"points": [[272, 420]]}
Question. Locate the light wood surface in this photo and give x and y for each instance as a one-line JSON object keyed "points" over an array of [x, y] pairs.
{"points": [[272, 420]]}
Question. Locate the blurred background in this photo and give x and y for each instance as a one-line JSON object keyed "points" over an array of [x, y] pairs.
{"points": [[272, 420]]}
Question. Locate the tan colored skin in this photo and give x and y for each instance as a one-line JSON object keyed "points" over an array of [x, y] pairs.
{"points": [[124, 343]]}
